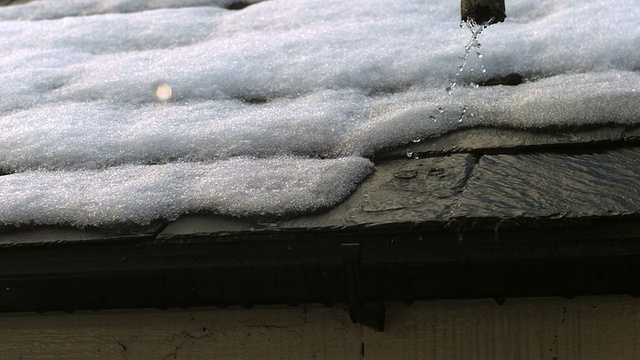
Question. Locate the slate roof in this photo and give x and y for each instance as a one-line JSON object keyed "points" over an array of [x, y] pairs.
{"points": [[477, 213], [481, 212]]}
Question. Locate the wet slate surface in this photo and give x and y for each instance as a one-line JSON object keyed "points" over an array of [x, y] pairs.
{"points": [[35, 235], [550, 186], [400, 191], [554, 185], [492, 141]]}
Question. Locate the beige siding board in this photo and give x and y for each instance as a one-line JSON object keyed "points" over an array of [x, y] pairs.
{"points": [[552, 328]]}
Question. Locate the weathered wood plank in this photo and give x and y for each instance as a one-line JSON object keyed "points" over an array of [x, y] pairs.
{"points": [[526, 328]]}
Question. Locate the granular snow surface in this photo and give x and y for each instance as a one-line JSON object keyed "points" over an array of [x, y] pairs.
{"points": [[118, 112]]}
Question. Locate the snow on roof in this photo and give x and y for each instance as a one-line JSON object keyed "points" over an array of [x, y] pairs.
{"points": [[112, 111]]}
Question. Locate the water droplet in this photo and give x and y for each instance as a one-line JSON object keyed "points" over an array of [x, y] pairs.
{"points": [[433, 118], [440, 110], [415, 140], [409, 154], [451, 86], [405, 174], [464, 110]]}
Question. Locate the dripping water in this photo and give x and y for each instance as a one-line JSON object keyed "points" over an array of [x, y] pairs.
{"points": [[464, 111], [473, 45], [409, 154]]}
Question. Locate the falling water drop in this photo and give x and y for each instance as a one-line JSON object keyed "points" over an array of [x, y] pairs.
{"points": [[464, 111], [450, 88], [409, 153], [476, 29], [480, 62]]}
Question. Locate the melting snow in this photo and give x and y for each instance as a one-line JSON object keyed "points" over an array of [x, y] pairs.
{"points": [[272, 110]]}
